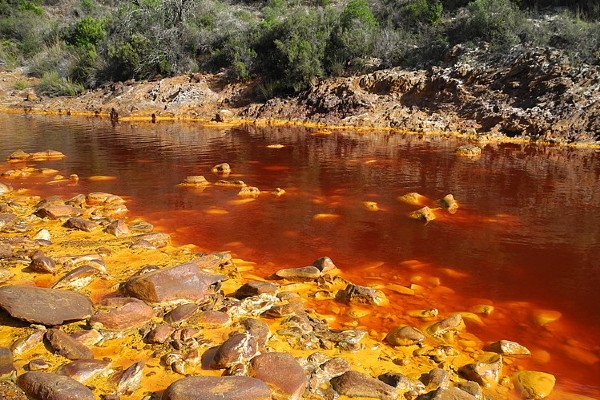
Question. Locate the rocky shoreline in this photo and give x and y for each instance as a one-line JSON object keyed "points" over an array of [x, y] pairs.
{"points": [[100, 305], [533, 95]]}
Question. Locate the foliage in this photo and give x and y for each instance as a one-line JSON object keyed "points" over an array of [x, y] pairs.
{"points": [[87, 33], [496, 21], [52, 85], [21, 84]]}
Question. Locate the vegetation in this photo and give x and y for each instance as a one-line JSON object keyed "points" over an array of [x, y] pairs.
{"points": [[287, 44]]}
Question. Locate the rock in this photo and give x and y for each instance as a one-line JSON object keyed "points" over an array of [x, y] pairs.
{"points": [[195, 180], [156, 239], [468, 150], [80, 224], [425, 214], [224, 115], [121, 314], [282, 372], [58, 211], [130, 380], [258, 330], [357, 384], [448, 203], [222, 168], [437, 378], [18, 155], [534, 384], [7, 221], [486, 372], [4, 188], [451, 393], [355, 294], [25, 344], [309, 273], [87, 337], [37, 364], [239, 348], [404, 335], [249, 191], [182, 282], [472, 388], [117, 228], [217, 388], [324, 264], [77, 278], [7, 369], [255, 288], [212, 319], [82, 370], [447, 326], [44, 306], [159, 334], [141, 226], [10, 391], [402, 382], [47, 386], [508, 348], [66, 346], [43, 234], [181, 313], [41, 263]]}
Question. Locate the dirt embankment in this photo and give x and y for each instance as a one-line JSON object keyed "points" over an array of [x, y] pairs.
{"points": [[536, 94]]}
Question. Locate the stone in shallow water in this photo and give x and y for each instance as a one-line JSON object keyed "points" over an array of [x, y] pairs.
{"points": [[240, 347], [121, 313], [534, 384], [423, 214], [181, 313], [58, 211], [486, 371], [82, 370], [255, 288], [451, 393], [355, 294], [511, 349], [282, 372], [182, 282], [358, 384], [404, 335], [44, 306], [217, 388], [47, 386], [299, 274], [80, 224]]}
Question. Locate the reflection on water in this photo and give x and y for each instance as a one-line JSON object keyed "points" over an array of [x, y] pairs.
{"points": [[526, 236]]}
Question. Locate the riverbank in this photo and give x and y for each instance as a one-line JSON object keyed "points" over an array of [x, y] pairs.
{"points": [[532, 96], [131, 327]]}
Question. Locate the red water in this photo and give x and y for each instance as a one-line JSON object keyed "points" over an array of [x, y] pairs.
{"points": [[526, 236]]}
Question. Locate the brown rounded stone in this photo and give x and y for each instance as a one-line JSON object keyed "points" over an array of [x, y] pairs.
{"points": [[181, 313], [404, 335], [255, 288], [358, 384], [47, 386], [66, 346], [217, 388], [238, 348], [282, 372], [121, 313]]}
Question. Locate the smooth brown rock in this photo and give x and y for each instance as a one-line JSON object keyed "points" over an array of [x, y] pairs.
{"points": [[121, 313], [160, 334], [404, 335], [255, 288], [309, 273], [66, 346], [257, 329], [77, 278], [212, 319], [47, 386], [82, 370], [451, 393], [117, 228], [58, 211], [42, 263], [80, 224], [358, 384], [156, 239], [181, 313], [355, 294], [486, 371], [217, 388], [183, 282], [534, 384], [451, 324], [7, 369], [282, 372], [130, 380], [44, 306], [240, 347]]}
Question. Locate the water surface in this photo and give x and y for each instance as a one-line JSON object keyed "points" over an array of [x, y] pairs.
{"points": [[526, 236]]}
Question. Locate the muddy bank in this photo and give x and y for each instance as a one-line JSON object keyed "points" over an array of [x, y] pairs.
{"points": [[103, 305], [534, 95]]}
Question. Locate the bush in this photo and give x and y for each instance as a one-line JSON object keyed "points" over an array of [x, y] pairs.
{"points": [[21, 84], [498, 22], [52, 85]]}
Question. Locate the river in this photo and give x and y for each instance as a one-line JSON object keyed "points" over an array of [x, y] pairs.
{"points": [[525, 239]]}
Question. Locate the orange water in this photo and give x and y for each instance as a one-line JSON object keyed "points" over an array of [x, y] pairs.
{"points": [[525, 238]]}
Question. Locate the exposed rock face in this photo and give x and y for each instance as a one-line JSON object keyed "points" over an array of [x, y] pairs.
{"points": [[183, 282], [42, 385], [217, 388], [44, 306]]}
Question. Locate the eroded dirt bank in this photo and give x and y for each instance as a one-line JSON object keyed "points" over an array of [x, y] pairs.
{"points": [[536, 95]]}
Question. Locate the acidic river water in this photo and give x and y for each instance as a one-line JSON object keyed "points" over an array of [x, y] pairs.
{"points": [[525, 239]]}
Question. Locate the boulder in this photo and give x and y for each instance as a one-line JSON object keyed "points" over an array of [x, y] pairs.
{"points": [[66, 346], [282, 372], [181, 313], [182, 282], [222, 168], [47, 386], [358, 384], [80, 224], [255, 288], [534, 384], [511, 349], [117, 228], [58, 211], [404, 335], [82, 370], [425, 214], [355, 294], [44, 306], [121, 313], [486, 371], [217, 388], [240, 347]]}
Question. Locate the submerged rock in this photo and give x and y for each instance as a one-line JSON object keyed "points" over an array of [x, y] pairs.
{"points": [[508, 348], [448, 203], [423, 214], [44, 306], [468, 150], [355, 294], [404, 335]]}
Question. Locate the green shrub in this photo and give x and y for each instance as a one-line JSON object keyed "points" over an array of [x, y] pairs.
{"points": [[21, 84], [498, 22], [88, 33], [52, 85]]}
